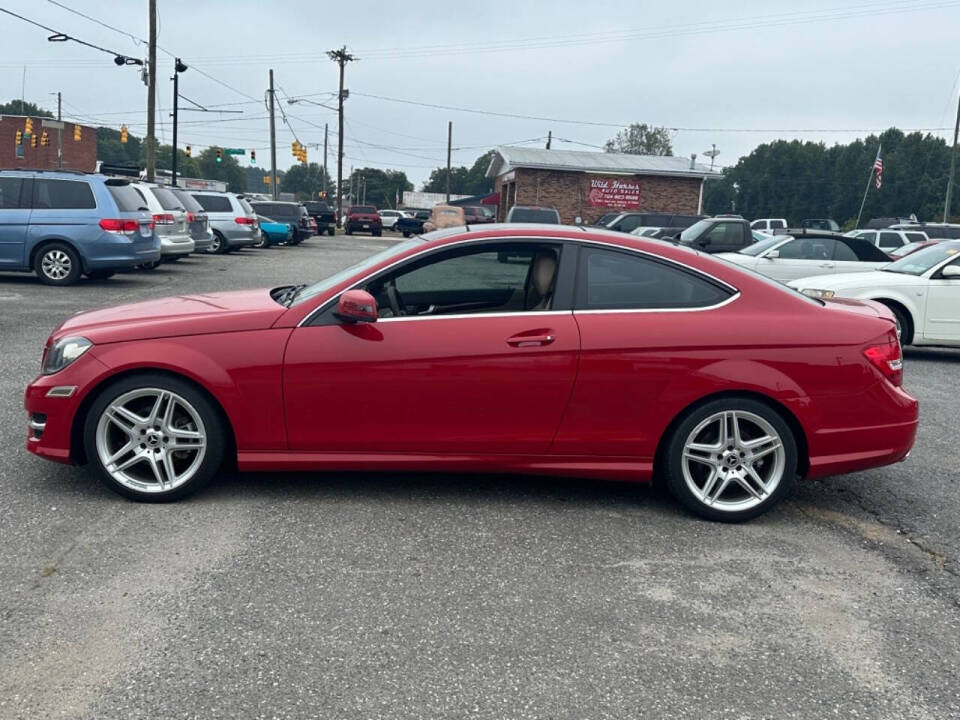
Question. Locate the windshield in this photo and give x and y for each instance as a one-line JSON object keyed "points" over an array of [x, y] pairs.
{"points": [[337, 278], [696, 229], [762, 245], [922, 260]]}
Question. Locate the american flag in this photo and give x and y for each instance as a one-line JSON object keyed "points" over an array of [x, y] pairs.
{"points": [[878, 167]]}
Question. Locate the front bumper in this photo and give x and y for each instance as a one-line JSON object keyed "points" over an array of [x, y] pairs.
{"points": [[50, 415]]}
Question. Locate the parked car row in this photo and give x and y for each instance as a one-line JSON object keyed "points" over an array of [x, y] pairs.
{"points": [[63, 224]]}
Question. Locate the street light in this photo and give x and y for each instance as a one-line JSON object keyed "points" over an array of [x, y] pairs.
{"points": [[178, 67]]}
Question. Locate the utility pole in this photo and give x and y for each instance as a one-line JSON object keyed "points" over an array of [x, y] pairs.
{"points": [[953, 166], [273, 144], [449, 148], [59, 133], [152, 95], [176, 94], [341, 57], [549, 138], [325, 161], [363, 181]]}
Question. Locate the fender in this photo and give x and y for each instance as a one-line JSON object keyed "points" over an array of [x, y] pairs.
{"points": [[248, 385]]}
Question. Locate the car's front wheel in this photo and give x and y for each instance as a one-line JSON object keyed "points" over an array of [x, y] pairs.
{"points": [[154, 438], [219, 245], [731, 459]]}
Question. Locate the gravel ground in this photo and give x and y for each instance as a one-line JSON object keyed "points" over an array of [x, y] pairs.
{"points": [[409, 596]]}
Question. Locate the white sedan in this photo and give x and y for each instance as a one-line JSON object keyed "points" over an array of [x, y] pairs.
{"points": [[922, 289], [389, 217], [787, 257]]}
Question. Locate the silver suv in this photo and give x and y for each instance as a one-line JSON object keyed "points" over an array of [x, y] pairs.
{"points": [[233, 221], [170, 220]]}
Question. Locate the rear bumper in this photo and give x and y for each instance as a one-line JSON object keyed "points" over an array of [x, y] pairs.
{"points": [[202, 242], [176, 245], [839, 449]]}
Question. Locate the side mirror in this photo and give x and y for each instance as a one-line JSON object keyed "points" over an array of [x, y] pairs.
{"points": [[356, 306], [950, 272], [772, 254]]}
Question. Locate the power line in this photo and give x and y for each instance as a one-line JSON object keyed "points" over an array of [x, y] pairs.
{"points": [[58, 36]]}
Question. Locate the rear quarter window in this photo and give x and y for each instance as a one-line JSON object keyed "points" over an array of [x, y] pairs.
{"points": [[214, 203], [62, 195], [865, 251], [167, 200]]}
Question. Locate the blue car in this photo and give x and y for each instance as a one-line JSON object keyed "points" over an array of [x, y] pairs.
{"points": [[273, 232], [62, 224]]}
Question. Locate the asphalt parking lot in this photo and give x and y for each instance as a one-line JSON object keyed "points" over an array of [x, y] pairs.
{"points": [[408, 596]]}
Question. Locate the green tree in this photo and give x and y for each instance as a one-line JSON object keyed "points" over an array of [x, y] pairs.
{"points": [[382, 186], [641, 139], [305, 181], [111, 150], [186, 166], [18, 107], [463, 180]]}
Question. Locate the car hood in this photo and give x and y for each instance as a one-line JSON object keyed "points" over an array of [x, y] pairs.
{"points": [[172, 316], [735, 257], [856, 281]]}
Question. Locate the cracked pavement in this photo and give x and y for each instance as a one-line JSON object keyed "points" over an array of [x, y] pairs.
{"points": [[410, 596]]}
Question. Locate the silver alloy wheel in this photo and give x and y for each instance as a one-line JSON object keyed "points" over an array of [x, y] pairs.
{"points": [[56, 264], [214, 244], [151, 440], [733, 460]]}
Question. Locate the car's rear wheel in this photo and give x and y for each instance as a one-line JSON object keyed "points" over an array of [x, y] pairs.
{"points": [[331, 231], [154, 438], [731, 459], [57, 264], [406, 233], [377, 233], [263, 242], [904, 324]]}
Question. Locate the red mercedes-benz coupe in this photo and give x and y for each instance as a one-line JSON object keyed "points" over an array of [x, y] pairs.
{"points": [[512, 348]]}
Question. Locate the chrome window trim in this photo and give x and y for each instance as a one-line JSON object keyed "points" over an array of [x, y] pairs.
{"points": [[729, 300], [461, 316], [735, 292]]}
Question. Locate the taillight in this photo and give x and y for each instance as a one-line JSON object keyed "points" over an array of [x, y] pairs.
{"points": [[242, 220], [118, 225], [163, 219], [888, 359], [191, 217]]}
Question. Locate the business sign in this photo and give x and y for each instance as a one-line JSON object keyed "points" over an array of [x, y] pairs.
{"points": [[614, 193]]}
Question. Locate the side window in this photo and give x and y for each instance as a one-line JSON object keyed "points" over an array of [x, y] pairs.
{"points": [[843, 252], [62, 195], [916, 237], [868, 236], [214, 203], [630, 222], [890, 240], [758, 224], [611, 280], [503, 278], [778, 224], [808, 249], [10, 192], [721, 234]]}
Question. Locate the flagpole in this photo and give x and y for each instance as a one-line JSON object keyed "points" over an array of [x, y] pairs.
{"points": [[873, 169]]}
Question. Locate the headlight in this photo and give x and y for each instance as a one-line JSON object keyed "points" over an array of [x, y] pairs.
{"points": [[64, 352], [815, 293]]}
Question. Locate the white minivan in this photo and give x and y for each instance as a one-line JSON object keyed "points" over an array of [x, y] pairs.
{"points": [[170, 220]]}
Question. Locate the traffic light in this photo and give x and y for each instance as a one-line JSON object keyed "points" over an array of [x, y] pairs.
{"points": [[44, 139], [33, 141], [187, 151], [322, 194], [19, 137], [123, 133], [295, 148], [253, 157], [77, 136], [219, 154], [28, 126]]}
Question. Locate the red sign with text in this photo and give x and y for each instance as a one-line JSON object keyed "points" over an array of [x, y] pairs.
{"points": [[611, 193]]}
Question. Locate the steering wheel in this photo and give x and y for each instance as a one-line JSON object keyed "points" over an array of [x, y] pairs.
{"points": [[396, 304]]}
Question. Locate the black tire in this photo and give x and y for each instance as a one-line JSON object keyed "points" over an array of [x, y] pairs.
{"points": [[673, 461], [331, 231], [100, 274], [406, 233], [216, 435], [263, 242], [904, 324], [57, 263], [348, 230], [219, 245], [296, 239], [377, 233]]}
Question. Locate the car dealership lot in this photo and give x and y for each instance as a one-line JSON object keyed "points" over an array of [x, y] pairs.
{"points": [[391, 595]]}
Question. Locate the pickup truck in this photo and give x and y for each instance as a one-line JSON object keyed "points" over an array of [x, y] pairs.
{"points": [[412, 225], [325, 216], [717, 234]]}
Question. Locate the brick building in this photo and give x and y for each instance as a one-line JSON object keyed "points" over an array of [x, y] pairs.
{"points": [[589, 184], [77, 155]]}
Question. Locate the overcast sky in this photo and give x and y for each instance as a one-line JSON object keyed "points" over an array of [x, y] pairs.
{"points": [[717, 72]]}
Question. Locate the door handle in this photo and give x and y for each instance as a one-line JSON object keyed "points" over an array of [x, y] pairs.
{"points": [[530, 340], [827, 265]]}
